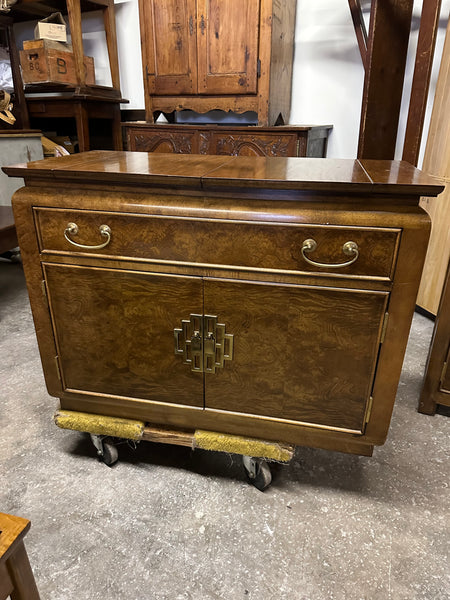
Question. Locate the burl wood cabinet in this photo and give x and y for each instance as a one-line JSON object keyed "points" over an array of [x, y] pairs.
{"points": [[229, 141], [265, 297], [218, 54]]}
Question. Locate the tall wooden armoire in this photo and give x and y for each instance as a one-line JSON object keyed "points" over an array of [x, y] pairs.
{"points": [[218, 54]]}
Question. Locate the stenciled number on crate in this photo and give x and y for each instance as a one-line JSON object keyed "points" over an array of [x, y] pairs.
{"points": [[34, 63], [62, 66]]}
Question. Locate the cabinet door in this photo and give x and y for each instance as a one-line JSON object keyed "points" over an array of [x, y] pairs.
{"points": [[114, 332], [169, 35], [227, 46], [301, 353]]}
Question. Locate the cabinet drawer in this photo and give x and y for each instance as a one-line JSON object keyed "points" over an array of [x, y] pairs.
{"points": [[221, 243]]}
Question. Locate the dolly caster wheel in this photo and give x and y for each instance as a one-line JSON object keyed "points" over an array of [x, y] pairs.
{"points": [[106, 451], [258, 472], [12, 255]]}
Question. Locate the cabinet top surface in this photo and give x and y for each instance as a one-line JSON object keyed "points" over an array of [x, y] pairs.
{"points": [[222, 128], [233, 172]]}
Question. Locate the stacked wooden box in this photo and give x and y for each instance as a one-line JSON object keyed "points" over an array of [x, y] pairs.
{"points": [[48, 61]]}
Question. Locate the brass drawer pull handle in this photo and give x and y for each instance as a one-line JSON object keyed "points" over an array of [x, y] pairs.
{"points": [[72, 229], [349, 249]]}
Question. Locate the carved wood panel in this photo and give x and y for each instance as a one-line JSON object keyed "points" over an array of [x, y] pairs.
{"points": [[173, 143], [253, 145]]}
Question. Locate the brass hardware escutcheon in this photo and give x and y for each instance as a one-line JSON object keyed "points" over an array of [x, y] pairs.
{"points": [[203, 343], [72, 229], [189, 342], [349, 249]]}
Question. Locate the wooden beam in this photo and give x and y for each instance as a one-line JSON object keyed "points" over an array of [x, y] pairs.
{"points": [[421, 80], [20, 105], [74, 15], [360, 28], [390, 23], [111, 41]]}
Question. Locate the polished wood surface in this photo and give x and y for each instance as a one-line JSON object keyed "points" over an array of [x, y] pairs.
{"points": [[436, 387], [229, 141], [318, 350], [16, 576], [338, 175], [227, 55]]}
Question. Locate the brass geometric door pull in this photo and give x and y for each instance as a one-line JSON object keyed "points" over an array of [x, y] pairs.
{"points": [[203, 343]]}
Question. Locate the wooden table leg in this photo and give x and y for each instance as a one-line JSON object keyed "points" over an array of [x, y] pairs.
{"points": [[82, 121], [117, 128], [19, 570]]}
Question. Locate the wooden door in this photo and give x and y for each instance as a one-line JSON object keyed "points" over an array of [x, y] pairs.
{"points": [[301, 354], [114, 332], [169, 40], [227, 46]]}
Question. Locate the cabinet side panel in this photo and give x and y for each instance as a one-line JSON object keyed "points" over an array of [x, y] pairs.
{"points": [[402, 303], [28, 242]]}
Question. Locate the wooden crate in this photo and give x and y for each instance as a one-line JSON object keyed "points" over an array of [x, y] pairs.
{"points": [[46, 64], [47, 44]]}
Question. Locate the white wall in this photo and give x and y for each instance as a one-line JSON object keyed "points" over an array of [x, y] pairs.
{"points": [[328, 74], [130, 61]]}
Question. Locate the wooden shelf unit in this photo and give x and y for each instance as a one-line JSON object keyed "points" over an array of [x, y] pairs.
{"points": [[218, 54], [81, 102]]}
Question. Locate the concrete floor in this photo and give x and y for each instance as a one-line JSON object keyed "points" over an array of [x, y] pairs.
{"points": [[168, 523]]}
